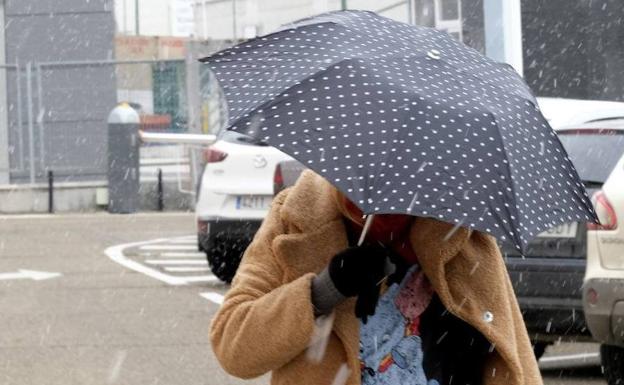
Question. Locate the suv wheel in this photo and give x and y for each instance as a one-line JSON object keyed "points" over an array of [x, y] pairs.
{"points": [[225, 255], [223, 265], [612, 358]]}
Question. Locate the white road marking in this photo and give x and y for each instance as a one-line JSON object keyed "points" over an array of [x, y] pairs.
{"points": [[186, 269], [213, 297], [28, 274], [81, 217], [185, 241], [183, 255], [116, 254], [202, 278], [113, 374], [176, 262], [169, 247]]}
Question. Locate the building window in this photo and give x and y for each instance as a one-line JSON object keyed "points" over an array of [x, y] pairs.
{"points": [[448, 17], [450, 9]]}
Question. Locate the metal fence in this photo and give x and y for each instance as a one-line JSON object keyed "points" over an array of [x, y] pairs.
{"points": [[57, 111]]}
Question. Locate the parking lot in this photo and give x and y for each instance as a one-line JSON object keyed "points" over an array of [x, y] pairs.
{"points": [[128, 300]]}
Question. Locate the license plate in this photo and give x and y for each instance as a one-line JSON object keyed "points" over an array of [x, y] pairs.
{"points": [[252, 202], [567, 230]]}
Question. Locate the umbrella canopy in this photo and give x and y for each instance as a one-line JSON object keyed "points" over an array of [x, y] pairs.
{"points": [[405, 120]]}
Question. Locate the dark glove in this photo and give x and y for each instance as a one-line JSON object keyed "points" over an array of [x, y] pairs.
{"points": [[358, 271]]}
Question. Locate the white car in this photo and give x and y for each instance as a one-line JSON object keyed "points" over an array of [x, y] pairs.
{"points": [[603, 285], [234, 194], [562, 112]]}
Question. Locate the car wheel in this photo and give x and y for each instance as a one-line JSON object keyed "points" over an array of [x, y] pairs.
{"points": [[223, 265], [539, 348], [612, 358], [225, 254]]}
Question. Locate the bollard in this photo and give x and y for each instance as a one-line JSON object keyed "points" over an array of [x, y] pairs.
{"points": [[50, 192], [123, 159], [160, 195]]}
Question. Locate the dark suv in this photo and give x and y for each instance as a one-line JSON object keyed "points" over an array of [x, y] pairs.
{"points": [[548, 278]]}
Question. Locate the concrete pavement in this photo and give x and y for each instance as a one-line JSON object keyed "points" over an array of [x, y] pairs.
{"points": [[105, 322], [99, 323]]}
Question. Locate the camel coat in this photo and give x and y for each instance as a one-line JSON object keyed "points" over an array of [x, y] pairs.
{"points": [[266, 321]]}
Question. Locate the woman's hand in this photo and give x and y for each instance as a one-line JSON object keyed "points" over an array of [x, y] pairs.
{"points": [[354, 272]]}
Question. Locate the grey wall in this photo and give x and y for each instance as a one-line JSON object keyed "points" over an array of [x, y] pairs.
{"points": [[4, 132], [75, 99], [472, 20], [574, 48]]}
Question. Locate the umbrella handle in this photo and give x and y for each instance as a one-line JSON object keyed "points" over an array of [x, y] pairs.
{"points": [[369, 221]]}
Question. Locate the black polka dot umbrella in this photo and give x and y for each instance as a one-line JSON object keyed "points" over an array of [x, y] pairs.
{"points": [[405, 120]]}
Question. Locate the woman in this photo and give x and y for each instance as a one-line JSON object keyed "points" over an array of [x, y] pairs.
{"points": [[447, 314]]}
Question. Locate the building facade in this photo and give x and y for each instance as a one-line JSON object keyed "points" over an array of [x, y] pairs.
{"points": [[154, 17], [571, 48], [57, 93]]}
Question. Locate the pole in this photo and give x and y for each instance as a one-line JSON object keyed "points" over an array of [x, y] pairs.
{"points": [[124, 30], [123, 159], [410, 12], [40, 116], [234, 20], [136, 17], [5, 158], [343, 5], [503, 32], [50, 191], [205, 20], [31, 129], [20, 123], [160, 193]]}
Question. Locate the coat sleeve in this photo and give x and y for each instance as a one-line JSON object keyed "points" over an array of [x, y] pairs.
{"points": [[263, 324]]}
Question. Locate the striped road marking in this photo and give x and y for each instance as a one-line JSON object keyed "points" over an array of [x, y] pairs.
{"points": [[169, 247], [176, 262], [183, 241], [160, 268], [213, 297], [202, 278], [184, 269], [183, 255]]}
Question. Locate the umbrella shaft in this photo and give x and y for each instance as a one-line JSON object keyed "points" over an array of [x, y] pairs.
{"points": [[369, 220]]}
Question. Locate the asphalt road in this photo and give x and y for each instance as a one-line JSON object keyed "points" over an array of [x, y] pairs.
{"points": [[127, 300]]}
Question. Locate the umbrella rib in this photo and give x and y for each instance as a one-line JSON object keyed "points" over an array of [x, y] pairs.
{"points": [[515, 224]]}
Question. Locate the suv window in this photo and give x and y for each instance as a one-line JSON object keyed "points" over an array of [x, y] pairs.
{"points": [[594, 154]]}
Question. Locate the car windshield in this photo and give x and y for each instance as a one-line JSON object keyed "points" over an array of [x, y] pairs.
{"points": [[594, 155]]}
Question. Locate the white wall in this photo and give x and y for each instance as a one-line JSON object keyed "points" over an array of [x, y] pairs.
{"points": [[399, 13], [156, 17], [213, 19]]}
